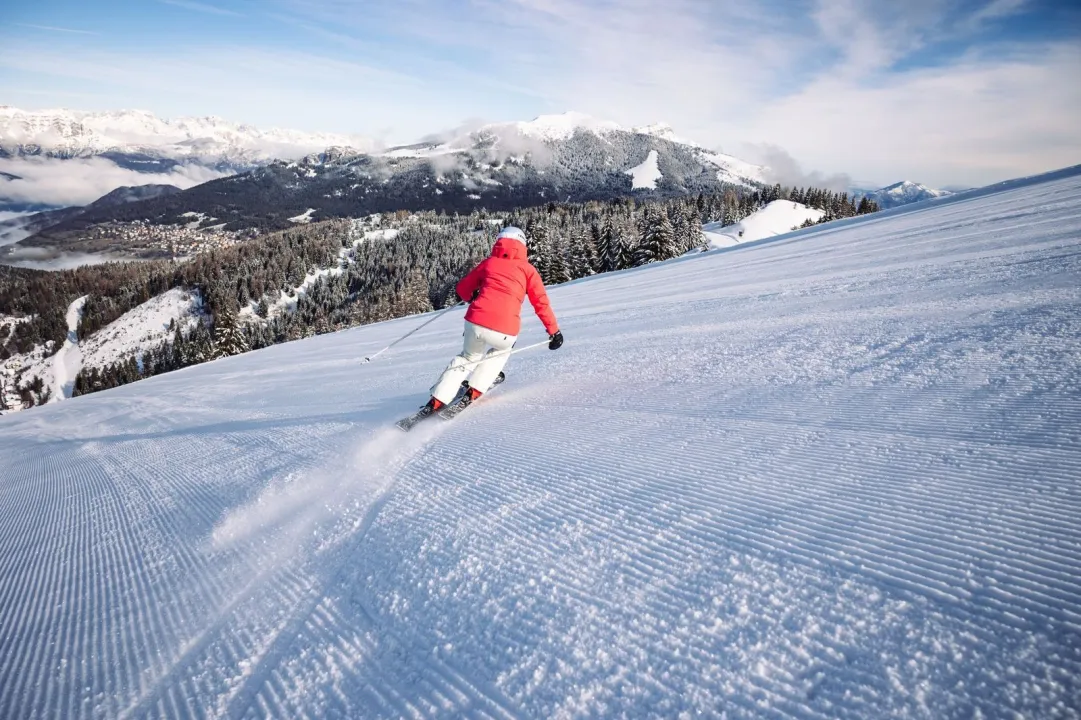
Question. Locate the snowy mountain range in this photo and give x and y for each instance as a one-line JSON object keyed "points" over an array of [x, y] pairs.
{"points": [[138, 138], [286, 174], [568, 157], [847, 486]]}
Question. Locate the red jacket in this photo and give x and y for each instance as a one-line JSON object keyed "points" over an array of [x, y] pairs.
{"points": [[504, 279]]}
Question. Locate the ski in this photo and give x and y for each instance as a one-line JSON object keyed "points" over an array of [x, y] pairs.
{"points": [[408, 423], [461, 402]]}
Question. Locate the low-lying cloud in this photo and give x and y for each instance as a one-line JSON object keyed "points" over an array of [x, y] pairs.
{"points": [[781, 167], [493, 144], [80, 181], [44, 259]]}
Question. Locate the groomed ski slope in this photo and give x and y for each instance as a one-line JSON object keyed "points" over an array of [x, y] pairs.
{"points": [[831, 475]]}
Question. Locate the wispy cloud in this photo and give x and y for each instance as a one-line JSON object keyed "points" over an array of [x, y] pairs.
{"points": [[942, 91], [51, 28], [996, 10], [200, 7]]}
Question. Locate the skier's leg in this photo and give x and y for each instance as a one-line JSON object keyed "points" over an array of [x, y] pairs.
{"points": [[487, 370], [446, 387]]}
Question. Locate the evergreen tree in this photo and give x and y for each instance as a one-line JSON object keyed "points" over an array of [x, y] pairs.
{"points": [[229, 338], [540, 248], [685, 230], [627, 248], [608, 247], [593, 247], [658, 241], [414, 296], [643, 251], [558, 269], [578, 254], [693, 237]]}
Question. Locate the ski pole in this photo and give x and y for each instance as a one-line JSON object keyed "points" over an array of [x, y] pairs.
{"points": [[430, 320], [502, 352]]}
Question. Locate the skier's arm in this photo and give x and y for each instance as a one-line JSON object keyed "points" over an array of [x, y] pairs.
{"points": [[538, 298], [470, 283]]}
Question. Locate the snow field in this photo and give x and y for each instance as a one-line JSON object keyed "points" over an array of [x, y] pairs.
{"points": [[304, 217], [645, 175], [776, 218], [58, 370], [830, 475]]}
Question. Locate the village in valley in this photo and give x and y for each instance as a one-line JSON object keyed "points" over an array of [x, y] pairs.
{"points": [[147, 240]]}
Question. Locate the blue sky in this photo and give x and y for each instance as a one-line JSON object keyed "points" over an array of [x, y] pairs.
{"points": [[944, 92]]}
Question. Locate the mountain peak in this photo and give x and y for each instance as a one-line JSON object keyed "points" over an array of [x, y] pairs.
{"points": [[903, 193], [904, 184], [563, 125]]}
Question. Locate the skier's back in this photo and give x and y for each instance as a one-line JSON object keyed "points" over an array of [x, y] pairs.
{"points": [[495, 290]]}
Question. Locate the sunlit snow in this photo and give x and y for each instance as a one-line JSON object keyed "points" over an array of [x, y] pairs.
{"points": [[776, 218], [304, 217], [835, 473], [645, 175], [143, 328]]}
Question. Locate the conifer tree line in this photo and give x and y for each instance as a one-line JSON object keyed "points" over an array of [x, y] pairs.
{"points": [[412, 267]]}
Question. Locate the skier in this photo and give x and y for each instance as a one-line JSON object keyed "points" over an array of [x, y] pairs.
{"points": [[495, 290]]}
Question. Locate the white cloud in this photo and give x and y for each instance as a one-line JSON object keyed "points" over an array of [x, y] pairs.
{"points": [[974, 123], [838, 89], [997, 9], [53, 28], [49, 259], [200, 7], [50, 181], [782, 168], [880, 95]]}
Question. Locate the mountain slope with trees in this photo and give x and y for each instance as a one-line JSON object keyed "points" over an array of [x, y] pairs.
{"points": [[365, 270], [497, 168]]}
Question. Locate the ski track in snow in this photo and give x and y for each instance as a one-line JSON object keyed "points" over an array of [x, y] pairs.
{"points": [[59, 370], [831, 475]]}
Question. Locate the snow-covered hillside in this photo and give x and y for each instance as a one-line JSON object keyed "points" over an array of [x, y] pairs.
{"points": [[74, 133], [132, 334], [143, 328], [777, 218], [835, 474]]}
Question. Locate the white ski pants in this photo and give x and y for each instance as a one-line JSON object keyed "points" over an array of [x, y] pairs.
{"points": [[484, 353]]}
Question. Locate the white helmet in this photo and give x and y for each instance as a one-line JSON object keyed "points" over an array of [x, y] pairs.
{"points": [[512, 233]]}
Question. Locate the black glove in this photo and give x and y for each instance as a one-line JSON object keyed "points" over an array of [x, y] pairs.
{"points": [[476, 294], [555, 341]]}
